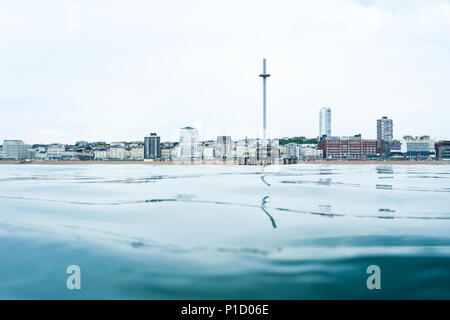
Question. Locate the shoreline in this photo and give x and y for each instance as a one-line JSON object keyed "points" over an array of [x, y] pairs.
{"points": [[323, 162]]}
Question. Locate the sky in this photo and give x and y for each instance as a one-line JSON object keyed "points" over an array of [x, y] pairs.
{"points": [[117, 70]]}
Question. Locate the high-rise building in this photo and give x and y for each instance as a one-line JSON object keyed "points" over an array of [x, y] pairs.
{"points": [[15, 149], [325, 122], [225, 145], [152, 147], [385, 136], [188, 147], [385, 129]]}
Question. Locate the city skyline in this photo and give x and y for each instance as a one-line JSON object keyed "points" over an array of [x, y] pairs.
{"points": [[67, 79], [324, 125]]}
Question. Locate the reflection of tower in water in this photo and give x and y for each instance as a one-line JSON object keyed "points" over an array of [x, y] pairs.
{"points": [[324, 208]]}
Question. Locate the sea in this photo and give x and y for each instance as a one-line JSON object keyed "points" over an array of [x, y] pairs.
{"points": [[305, 231]]}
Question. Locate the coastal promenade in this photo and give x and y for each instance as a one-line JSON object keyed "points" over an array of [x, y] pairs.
{"points": [[322, 162]]}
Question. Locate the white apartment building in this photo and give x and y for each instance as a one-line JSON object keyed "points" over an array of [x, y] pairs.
{"points": [[309, 151], [292, 150], [68, 155], [188, 146], [208, 153], [55, 151], [15, 149], [118, 153], [137, 153], [101, 154]]}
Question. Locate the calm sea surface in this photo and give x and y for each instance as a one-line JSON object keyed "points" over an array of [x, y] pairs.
{"points": [[223, 232]]}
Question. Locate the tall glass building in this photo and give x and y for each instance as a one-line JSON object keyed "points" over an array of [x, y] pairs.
{"points": [[325, 122]]}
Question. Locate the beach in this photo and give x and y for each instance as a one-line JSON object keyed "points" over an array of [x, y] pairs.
{"points": [[322, 162]]}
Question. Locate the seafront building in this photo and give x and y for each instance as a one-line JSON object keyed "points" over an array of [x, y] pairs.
{"points": [[309, 152], [55, 151], [385, 136], [188, 145], [101, 154], [442, 149], [40, 152], [292, 151], [137, 153], [246, 151], [283, 150], [353, 147], [324, 122], [418, 147], [152, 147], [69, 155], [118, 153], [395, 149], [224, 146], [385, 129], [15, 150], [252, 151]]}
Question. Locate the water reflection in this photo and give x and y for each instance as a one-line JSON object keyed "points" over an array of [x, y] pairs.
{"points": [[263, 208], [325, 171], [325, 208], [208, 225], [264, 180], [385, 170], [386, 210], [325, 181], [384, 186]]}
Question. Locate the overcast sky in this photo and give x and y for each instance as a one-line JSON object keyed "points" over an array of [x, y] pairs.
{"points": [[118, 70]]}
